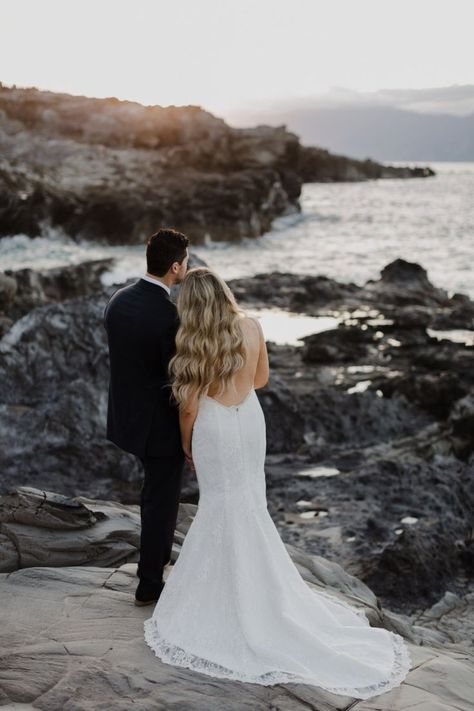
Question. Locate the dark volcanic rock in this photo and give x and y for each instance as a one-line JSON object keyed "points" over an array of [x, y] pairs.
{"points": [[346, 343], [399, 516], [403, 291], [53, 383], [53, 375], [435, 392], [383, 329], [460, 315], [23, 289], [53, 389], [404, 283], [285, 422], [417, 566], [292, 291]]}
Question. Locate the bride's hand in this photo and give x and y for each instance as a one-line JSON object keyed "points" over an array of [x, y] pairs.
{"points": [[189, 459]]}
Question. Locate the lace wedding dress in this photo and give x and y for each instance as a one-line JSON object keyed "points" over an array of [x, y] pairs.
{"points": [[234, 605]]}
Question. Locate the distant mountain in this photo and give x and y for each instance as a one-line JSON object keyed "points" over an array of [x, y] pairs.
{"points": [[396, 125], [385, 134]]}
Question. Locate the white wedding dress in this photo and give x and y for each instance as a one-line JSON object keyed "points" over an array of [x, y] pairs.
{"points": [[234, 605]]}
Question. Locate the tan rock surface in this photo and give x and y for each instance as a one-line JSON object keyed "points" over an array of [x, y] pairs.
{"points": [[73, 639]]}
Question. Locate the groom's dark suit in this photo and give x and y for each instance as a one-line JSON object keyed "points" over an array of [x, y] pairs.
{"points": [[141, 323]]}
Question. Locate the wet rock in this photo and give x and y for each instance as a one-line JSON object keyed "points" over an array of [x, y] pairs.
{"points": [[343, 344], [409, 273], [402, 292], [383, 328]]}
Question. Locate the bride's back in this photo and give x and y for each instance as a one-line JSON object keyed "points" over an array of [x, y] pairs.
{"points": [[254, 373]]}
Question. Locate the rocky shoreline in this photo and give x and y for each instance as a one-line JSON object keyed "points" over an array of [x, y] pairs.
{"points": [[370, 433], [110, 171], [370, 425]]}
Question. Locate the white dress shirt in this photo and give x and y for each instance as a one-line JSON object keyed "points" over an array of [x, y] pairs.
{"points": [[154, 280]]}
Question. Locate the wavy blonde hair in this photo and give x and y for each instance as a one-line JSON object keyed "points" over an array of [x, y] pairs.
{"points": [[209, 342]]}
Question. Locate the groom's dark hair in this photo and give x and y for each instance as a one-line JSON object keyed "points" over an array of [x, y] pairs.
{"points": [[163, 249]]}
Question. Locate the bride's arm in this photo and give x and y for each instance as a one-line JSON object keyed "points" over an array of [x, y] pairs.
{"points": [[262, 370], [187, 416]]}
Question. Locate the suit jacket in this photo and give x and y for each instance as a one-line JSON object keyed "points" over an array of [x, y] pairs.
{"points": [[141, 323]]}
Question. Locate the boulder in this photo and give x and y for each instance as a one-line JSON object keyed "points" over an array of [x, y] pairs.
{"points": [[39, 527], [36, 287], [342, 344], [404, 283]]}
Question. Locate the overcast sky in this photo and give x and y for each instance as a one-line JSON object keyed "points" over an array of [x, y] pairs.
{"points": [[224, 54]]}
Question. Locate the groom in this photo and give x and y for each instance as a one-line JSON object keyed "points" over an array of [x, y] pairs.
{"points": [[141, 323]]}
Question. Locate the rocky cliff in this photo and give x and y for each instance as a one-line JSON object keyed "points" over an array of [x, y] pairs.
{"points": [[111, 170]]}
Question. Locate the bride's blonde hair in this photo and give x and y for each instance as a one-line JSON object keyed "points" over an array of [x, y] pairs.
{"points": [[209, 342]]}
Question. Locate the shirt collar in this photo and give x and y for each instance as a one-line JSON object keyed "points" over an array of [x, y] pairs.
{"points": [[154, 280]]}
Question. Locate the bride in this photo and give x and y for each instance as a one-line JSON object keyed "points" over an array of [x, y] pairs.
{"points": [[234, 605]]}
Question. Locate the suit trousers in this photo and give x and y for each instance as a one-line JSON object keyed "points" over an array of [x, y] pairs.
{"points": [[159, 501]]}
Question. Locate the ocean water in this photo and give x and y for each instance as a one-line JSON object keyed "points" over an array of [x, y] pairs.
{"points": [[348, 231]]}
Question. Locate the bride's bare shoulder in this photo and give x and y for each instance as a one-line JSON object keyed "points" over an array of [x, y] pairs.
{"points": [[250, 324], [246, 320]]}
